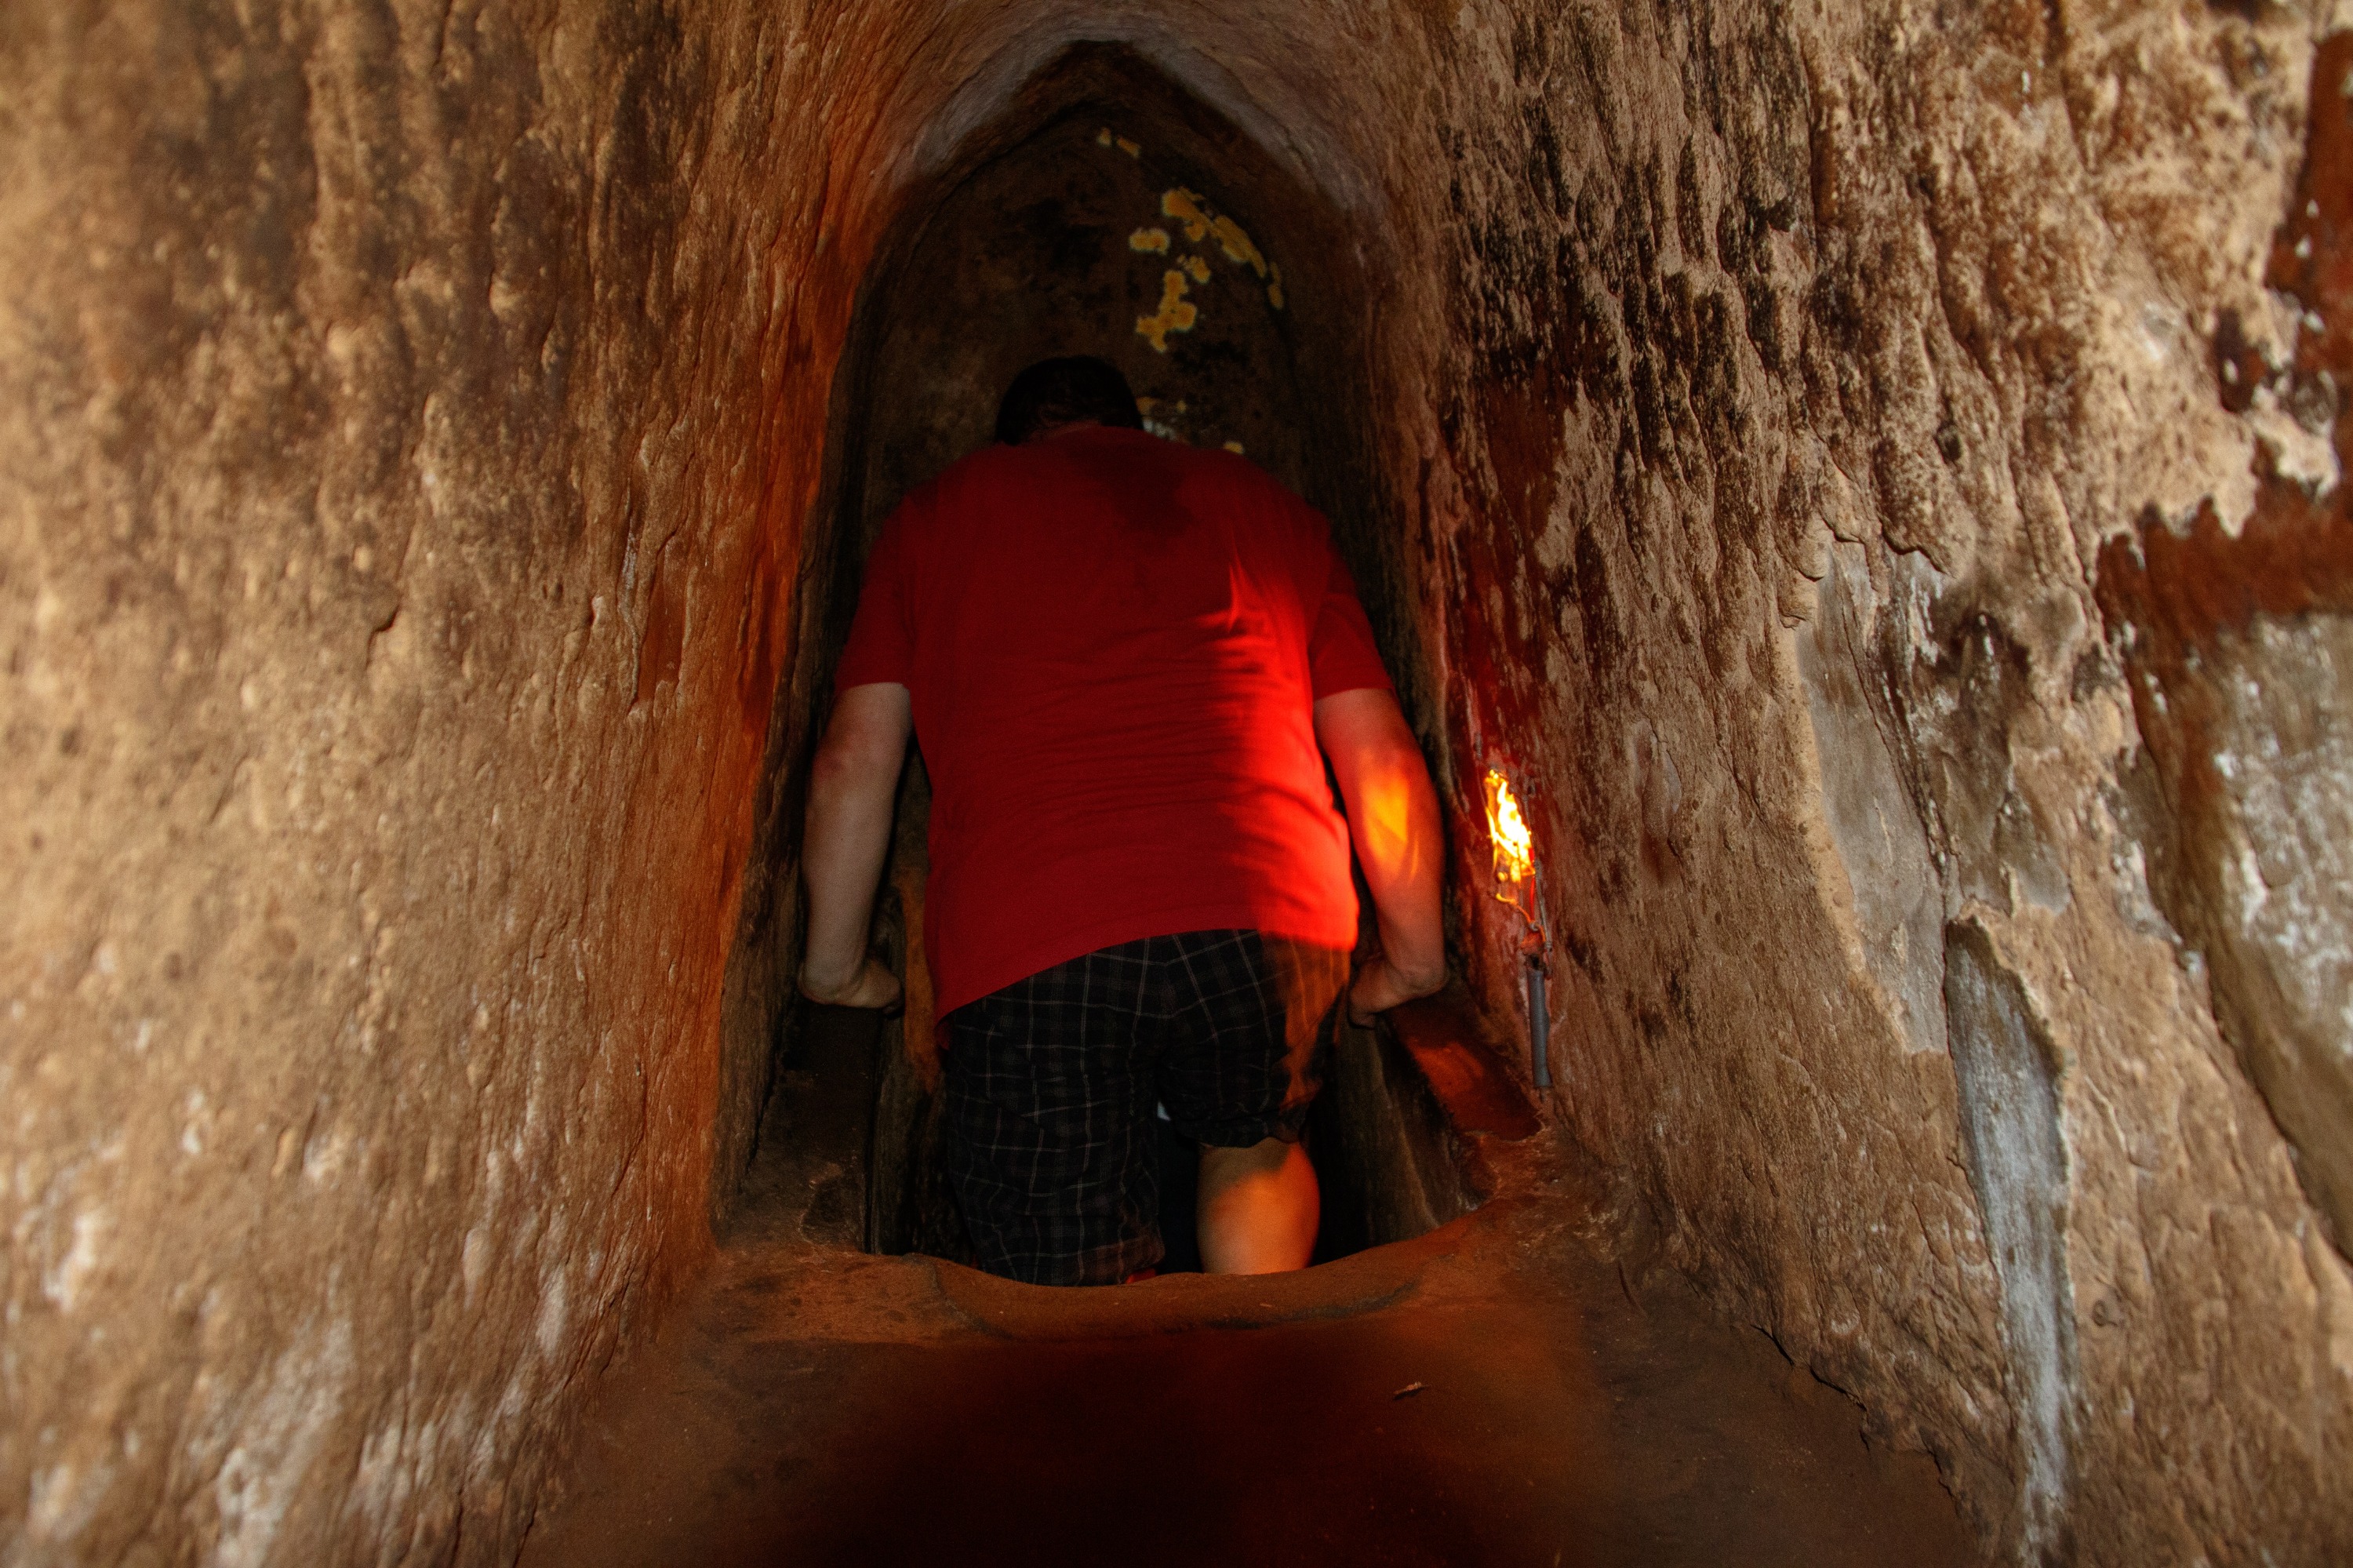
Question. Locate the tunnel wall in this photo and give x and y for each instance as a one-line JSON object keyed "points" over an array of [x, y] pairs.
{"points": [[1817, 428], [399, 463], [1870, 496]]}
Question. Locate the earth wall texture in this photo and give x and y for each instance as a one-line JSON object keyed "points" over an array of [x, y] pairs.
{"points": [[1870, 471], [1882, 503], [399, 408]]}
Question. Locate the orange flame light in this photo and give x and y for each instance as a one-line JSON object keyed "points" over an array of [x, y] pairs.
{"points": [[1521, 885], [1515, 846]]}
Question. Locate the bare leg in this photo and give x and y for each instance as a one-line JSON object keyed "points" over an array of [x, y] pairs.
{"points": [[1259, 1208]]}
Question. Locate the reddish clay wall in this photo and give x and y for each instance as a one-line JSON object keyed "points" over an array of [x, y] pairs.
{"points": [[1817, 434]]}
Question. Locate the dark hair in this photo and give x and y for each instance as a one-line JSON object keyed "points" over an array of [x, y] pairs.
{"points": [[1065, 392]]}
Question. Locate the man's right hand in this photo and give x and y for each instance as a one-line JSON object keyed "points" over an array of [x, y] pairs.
{"points": [[1381, 985], [871, 985]]}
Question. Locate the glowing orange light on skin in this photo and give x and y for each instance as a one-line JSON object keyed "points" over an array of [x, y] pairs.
{"points": [[1389, 820]]}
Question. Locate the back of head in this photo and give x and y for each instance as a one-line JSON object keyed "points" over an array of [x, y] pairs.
{"points": [[1077, 390]]}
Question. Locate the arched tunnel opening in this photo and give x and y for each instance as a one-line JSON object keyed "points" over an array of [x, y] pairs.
{"points": [[1869, 479], [1106, 212]]}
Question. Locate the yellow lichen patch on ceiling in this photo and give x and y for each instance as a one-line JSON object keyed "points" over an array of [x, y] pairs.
{"points": [[1236, 244], [1176, 312], [1182, 204], [1132, 149], [1201, 223], [1103, 137], [1235, 448]]}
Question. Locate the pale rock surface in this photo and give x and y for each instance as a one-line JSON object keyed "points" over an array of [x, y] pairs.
{"points": [[409, 420]]}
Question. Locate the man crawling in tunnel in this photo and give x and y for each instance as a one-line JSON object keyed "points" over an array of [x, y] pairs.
{"points": [[1126, 662]]}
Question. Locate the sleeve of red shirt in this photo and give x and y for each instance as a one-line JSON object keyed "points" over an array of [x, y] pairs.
{"points": [[1341, 656], [881, 638]]}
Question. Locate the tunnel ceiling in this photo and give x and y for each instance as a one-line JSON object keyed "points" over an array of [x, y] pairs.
{"points": [[1107, 213]]}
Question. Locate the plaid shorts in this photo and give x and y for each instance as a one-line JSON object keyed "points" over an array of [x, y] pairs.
{"points": [[1052, 1084]]}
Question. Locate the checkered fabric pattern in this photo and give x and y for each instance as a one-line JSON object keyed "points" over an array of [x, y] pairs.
{"points": [[1052, 1084]]}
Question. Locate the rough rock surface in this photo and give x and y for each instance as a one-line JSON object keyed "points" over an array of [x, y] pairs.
{"points": [[397, 480], [1813, 438], [1805, 366]]}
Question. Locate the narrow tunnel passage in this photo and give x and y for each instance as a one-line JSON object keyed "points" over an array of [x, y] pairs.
{"points": [[1109, 213], [1870, 475]]}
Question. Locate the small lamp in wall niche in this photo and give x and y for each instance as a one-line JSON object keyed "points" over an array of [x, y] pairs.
{"points": [[1519, 886]]}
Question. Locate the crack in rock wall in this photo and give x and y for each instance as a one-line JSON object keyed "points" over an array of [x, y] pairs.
{"points": [[1811, 427], [2007, 1074]]}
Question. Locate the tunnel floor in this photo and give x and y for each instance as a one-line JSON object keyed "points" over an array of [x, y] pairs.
{"points": [[1499, 1390]]}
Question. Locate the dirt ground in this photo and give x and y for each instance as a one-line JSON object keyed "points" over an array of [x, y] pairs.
{"points": [[1503, 1390]]}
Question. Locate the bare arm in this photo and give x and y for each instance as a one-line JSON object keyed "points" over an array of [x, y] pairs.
{"points": [[1393, 818], [853, 787]]}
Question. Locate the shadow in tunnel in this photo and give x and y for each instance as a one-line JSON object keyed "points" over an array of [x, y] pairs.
{"points": [[1287, 1444]]}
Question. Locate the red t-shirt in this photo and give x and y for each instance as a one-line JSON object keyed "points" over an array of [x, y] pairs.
{"points": [[1115, 644]]}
